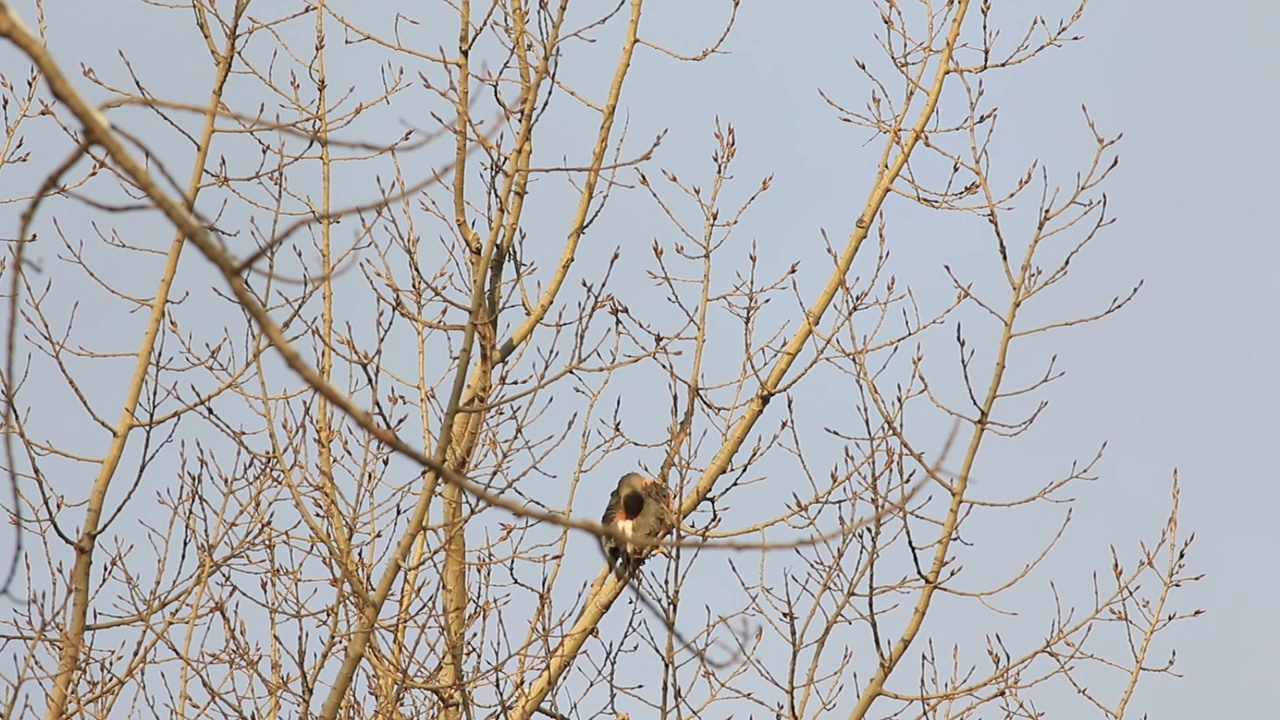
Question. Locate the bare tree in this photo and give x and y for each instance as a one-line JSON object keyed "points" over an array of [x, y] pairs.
{"points": [[336, 447]]}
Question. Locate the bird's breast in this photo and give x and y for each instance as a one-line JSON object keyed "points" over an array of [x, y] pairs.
{"points": [[626, 527]]}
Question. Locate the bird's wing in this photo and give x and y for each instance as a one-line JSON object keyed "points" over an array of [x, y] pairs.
{"points": [[657, 512], [611, 510]]}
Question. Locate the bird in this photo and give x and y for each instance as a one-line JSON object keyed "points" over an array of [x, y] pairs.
{"points": [[641, 510]]}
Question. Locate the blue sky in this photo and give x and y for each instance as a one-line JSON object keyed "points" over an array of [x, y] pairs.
{"points": [[1183, 378]]}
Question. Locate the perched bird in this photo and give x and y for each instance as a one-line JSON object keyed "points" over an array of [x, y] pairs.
{"points": [[640, 508]]}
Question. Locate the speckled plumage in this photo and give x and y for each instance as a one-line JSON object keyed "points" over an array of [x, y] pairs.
{"points": [[640, 508]]}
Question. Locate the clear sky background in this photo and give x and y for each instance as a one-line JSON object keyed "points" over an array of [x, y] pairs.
{"points": [[1185, 377], [1178, 380]]}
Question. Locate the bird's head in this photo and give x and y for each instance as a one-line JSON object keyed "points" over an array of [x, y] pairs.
{"points": [[631, 494]]}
